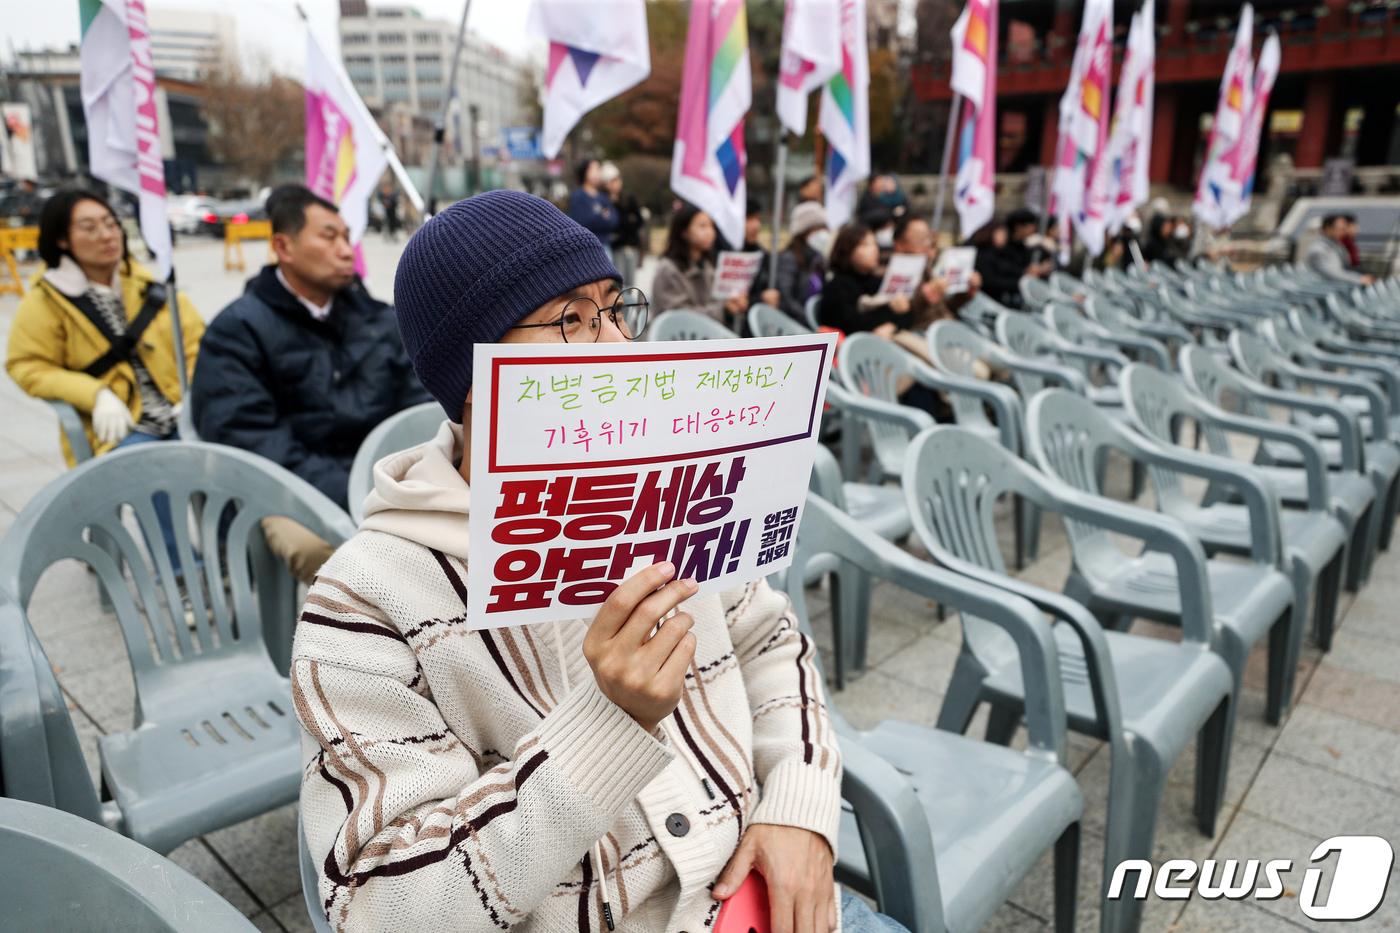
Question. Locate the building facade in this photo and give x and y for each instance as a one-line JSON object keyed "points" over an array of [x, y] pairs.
{"points": [[399, 61], [1336, 96], [188, 44]]}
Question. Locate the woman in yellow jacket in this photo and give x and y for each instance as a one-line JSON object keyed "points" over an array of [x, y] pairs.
{"points": [[52, 341]]}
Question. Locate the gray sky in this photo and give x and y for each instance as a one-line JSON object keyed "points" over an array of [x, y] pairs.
{"points": [[268, 30]]}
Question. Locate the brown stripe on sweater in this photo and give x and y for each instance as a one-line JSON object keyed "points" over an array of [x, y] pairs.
{"points": [[370, 608], [513, 649], [719, 724], [308, 720], [363, 628], [802, 691], [452, 576], [709, 741], [584, 926], [495, 653], [705, 763], [335, 605], [351, 743], [539, 664], [617, 875]]}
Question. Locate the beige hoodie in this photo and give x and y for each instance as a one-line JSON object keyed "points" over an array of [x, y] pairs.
{"points": [[463, 779]]}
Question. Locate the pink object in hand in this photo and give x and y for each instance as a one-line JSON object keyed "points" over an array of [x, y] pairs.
{"points": [[746, 911]]}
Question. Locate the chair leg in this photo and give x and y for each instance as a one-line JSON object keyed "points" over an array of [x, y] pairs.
{"points": [[1136, 783], [1002, 723], [1280, 674], [964, 692], [1018, 507], [1139, 480], [1066, 878], [1033, 514], [1329, 584], [1363, 528], [1213, 764], [1392, 502]]}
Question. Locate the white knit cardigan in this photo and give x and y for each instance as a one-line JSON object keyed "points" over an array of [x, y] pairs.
{"points": [[451, 783]]}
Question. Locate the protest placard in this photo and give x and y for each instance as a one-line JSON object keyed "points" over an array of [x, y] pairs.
{"points": [[734, 273], [903, 274], [956, 263], [593, 461]]}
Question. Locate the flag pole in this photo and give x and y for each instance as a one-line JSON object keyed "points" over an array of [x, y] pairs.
{"points": [[779, 183], [441, 128], [950, 137], [177, 331]]}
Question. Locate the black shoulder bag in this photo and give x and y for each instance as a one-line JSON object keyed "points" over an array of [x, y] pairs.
{"points": [[123, 345]]}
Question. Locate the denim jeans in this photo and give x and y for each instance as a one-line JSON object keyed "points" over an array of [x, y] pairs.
{"points": [[857, 917], [160, 500]]}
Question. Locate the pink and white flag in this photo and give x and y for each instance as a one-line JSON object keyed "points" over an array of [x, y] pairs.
{"points": [[1218, 188], [707, 164], [975, 79], [597, 50], [844, 118], [1130, 138], [1243, 159], [344, 148], [1081, 184], [119, 104], [811, 56]]}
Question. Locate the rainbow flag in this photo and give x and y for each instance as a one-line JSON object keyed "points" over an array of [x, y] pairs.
{"points": [[845, 117], [707, 164], [811, 54], [975, 79], [1219, 187], [1130, 136], [1244, 158], [596, 51], [1081, 185]]}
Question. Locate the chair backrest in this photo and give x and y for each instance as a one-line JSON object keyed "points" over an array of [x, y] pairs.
{"points": [[687, 325], [1067, 321], [41, 760], [103, 513], [826, 478], [1256, 359], [399, 431], [1158, 404], [956, 348], [1028, 336], [66, 873], [73, 431], [1222, 387], [811, 310], [1035, 292], [768, 321], [872, 367]]}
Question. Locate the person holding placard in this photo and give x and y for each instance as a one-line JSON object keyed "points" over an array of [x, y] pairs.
{"points": [[801, 264], [550, 776], [685, 274], [851, 301]]}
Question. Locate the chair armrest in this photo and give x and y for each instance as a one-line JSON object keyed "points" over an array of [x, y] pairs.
{"points": [[1260, 499], [1297, 438], [1164, 331], [1379, 410], [1054, 373], [1160, 532], [895, 834], [1353, 455], [907, 417], [72, 424], [1005, 401], [1094, 354], [1150, 346], [1386, 372]]}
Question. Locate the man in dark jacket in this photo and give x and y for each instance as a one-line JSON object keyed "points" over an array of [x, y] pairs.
{"points": [[304, 364]]}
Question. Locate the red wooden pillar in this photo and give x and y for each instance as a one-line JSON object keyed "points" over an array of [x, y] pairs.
{"points": [[1176, 22], [1051, 130], [1317, 122], [1163, 131]]}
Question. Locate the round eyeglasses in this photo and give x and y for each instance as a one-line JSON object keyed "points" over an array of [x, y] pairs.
{"points": [[581, 321]]}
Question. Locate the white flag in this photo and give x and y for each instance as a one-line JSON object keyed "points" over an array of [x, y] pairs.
{"points": [[1244, 159], [1130, 139], [119, 104], [1217, 185], [811, 56], [597, 50], [845, 117], [1080, 186], [975, 78], [345, 149]]}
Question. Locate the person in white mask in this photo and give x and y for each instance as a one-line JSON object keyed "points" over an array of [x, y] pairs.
{"points": [[802, 263]]}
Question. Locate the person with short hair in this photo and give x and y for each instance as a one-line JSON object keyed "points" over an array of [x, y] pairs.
{"points": [[590, 206], [1349, 241], [551, 776], [628, 245], [685, 274], [1328, 257], [1001, 265], [810, 188], [304, 365], [849, 300]]}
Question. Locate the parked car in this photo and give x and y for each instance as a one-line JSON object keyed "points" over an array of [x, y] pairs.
{"points": [[234, 212], [188, 210]]}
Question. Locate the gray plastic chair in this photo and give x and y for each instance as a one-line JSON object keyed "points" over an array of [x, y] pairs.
{"points": [[66, 873], [1314, 541], [1119, 319], [768, 321], [1067, 436], [1257, 360], [1354, 493], [1071, 324], [400, 431], [687, 325], [1030, 337], [941, 828], [881, 509], [215, 740], [1145, 696], [811, 310], [71, 423]]}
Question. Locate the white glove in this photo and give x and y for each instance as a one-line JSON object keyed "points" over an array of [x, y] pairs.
{"points": [[111, 420]]}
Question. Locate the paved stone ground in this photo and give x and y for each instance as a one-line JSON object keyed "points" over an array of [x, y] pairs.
{"points": [[1333, 768]]}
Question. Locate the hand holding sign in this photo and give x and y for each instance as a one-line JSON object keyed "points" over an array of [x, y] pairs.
{"points": [[640, 672], [734, 273]]}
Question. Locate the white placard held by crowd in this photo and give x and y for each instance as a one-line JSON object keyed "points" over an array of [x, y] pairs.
{"points": [[904, 274], [734, 273], [956, 264], [591, 462]]}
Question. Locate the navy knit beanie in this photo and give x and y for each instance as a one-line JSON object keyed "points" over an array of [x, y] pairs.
{"points": [[474, 271]]}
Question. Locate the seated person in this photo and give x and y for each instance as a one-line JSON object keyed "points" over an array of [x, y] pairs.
{"points": [[303, 365], [849, 300], [542, 777], [801, 264], [913, 237], [685, 274], [1328, 256]]}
